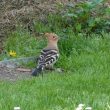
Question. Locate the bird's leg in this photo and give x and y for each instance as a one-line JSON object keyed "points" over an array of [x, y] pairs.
{"points": [[50, 68]]}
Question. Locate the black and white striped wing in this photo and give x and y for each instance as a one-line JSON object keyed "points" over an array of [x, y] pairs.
{"points": [[48, 57]]}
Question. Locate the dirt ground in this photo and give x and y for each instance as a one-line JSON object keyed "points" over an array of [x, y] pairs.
{"points": [[13, 75]]}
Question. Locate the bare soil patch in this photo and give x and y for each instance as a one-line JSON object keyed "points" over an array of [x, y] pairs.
{"points": [[13, 74]]}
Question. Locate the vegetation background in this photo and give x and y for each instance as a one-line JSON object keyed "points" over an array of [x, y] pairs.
{"points": [[83, 28]]}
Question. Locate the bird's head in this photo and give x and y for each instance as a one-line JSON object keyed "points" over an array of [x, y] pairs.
{"points": [[52, 37]]}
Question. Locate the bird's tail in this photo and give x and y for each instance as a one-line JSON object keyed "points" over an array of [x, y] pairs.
{"points": [[38, 70]]}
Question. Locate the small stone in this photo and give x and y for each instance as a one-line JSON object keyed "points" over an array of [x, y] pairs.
{"points": [[60, 70], [10, 66]]}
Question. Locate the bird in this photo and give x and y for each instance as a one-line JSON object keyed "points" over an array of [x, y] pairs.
{"points": [[49, 55]]}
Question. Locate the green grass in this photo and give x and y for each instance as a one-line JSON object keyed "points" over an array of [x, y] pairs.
{"points": [[85, 80], [86, 61], [57, 90], [23, 44]]}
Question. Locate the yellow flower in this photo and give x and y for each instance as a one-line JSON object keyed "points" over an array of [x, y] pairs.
{"points": [[12, 53]]}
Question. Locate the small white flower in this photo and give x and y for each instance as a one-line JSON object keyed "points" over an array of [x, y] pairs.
{"points": [[88, 108], [79, 108], [16, 108], [108, 106], [81, 105]]}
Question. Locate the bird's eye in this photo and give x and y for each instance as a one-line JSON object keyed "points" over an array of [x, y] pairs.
{"points": [[54, 37]]}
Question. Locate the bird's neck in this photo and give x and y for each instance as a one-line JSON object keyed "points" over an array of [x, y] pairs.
{"points": [[52, 45]]}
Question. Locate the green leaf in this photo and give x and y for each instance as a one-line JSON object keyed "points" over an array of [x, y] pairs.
{"points": [[97, 20], [78, 27], [71, 15], [97, 1], [91, 22]]}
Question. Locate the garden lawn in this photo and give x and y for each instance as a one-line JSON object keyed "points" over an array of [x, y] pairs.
{"points": [[86, 79]]}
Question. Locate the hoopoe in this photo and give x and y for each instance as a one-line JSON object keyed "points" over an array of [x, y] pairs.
{"points": [[49, 55]]}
